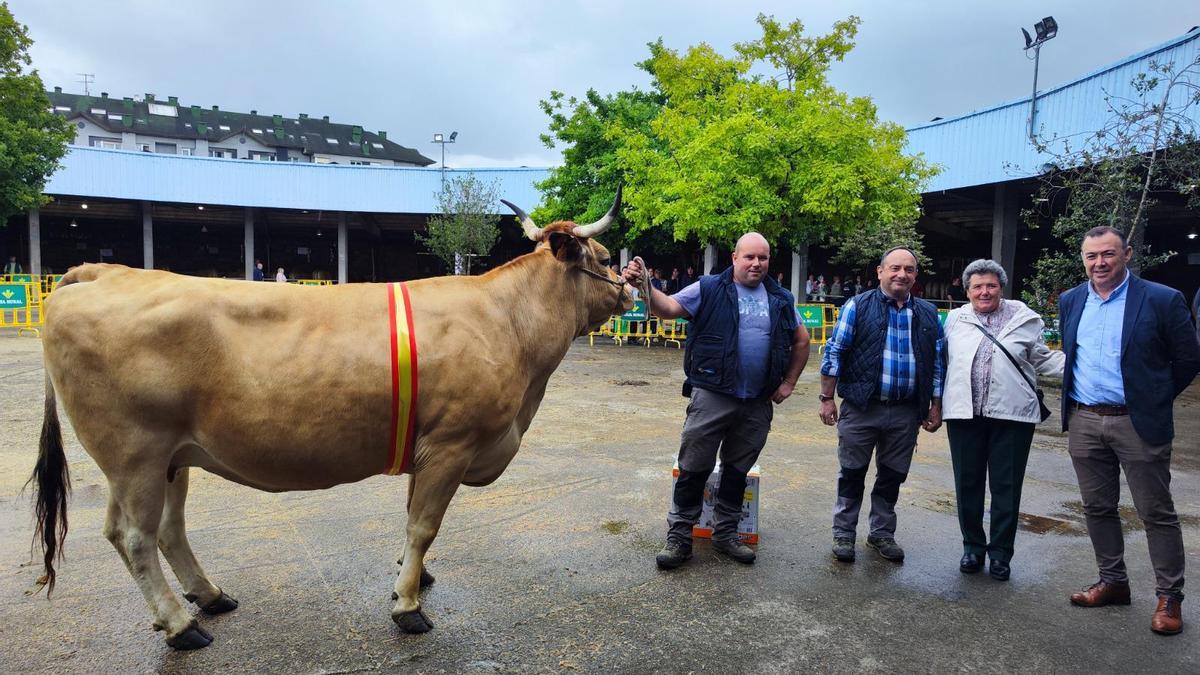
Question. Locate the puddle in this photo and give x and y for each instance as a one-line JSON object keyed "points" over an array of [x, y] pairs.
{"points": [[1029, 522], [1129, 516]]}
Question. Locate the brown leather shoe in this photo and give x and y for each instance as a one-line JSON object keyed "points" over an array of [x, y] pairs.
{"points": [[1168, 618], [1100, 594]]}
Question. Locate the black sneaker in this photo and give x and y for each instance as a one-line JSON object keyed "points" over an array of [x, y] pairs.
{"points": [[843, 549], [672, 556], [734, 549], [887, 548]]}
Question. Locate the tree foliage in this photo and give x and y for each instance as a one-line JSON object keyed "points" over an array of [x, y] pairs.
{"points": [[32, 139], [788, 155], [1147, 149], [582, 188], [466, 226]]}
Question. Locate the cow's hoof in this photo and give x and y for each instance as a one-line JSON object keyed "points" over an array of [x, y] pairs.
{"points": [[194, 637], [220, 605], [412, 622]]}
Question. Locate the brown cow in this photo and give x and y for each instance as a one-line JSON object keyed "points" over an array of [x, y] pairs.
{"points": [[160, 372]]}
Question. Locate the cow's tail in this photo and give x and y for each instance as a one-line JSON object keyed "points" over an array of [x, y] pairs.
{"points": [[52, 480]]}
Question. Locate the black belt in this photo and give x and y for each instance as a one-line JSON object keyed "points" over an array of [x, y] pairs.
{"points": [[1104, 409]]}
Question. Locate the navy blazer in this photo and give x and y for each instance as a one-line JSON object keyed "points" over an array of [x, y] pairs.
{"points": [[1160, 354]]}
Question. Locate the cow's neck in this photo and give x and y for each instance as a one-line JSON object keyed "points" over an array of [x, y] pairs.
{"points": [[547, 311]]}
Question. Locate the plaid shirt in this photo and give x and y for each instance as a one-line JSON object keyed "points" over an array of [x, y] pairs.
{"points": [[899, 377]]}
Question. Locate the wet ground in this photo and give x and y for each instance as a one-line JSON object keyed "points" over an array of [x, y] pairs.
{"points": [[551, 568]]}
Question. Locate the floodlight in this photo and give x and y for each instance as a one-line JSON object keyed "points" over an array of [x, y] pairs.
{"points": [[437, 138], [453, 135]]}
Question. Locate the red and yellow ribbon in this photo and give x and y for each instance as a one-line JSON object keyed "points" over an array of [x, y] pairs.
{"points": [[404, 381]]}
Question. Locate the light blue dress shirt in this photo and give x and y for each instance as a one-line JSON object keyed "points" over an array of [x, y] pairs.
{"points": [[1097, 370]]}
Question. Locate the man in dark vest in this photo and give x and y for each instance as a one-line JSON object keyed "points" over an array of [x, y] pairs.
{"points": [[745, 348], [885, 359]]}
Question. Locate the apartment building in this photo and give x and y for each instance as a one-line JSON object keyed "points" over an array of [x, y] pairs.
{"points": [[166, 126]]}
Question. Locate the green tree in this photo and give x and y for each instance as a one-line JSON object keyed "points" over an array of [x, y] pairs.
{"points": [[582, 188], [467, 226], [32, 139], [787, 154], [1147, 151]]}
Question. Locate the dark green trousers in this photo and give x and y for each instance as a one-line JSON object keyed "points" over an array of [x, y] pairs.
{"points": [[995, 452]]}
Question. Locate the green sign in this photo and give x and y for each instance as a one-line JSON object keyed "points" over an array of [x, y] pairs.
{"points": [[942, 316], [812, 315], [638, 313], [12, 296], [21, 278]]}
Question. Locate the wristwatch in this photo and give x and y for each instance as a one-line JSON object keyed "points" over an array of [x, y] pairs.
{"points": [[823, 398]]}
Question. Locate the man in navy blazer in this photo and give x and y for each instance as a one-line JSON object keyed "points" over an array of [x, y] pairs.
{"points": [[1131, 349]]}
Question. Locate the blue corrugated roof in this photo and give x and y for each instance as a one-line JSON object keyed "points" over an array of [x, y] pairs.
{"points": [[118, 174], [992, 145]]}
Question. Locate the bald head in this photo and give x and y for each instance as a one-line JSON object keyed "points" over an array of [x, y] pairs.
{"points": [[751, 256], [751, 238]]}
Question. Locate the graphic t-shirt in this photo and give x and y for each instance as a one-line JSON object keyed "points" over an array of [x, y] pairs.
{"points": [[754, 334]]}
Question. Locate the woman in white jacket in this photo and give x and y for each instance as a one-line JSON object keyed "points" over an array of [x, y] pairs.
{"points": [[990, 410]]}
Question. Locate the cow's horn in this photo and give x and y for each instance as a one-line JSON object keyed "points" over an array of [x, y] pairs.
{"points": [[531, 229], [602, 224]]}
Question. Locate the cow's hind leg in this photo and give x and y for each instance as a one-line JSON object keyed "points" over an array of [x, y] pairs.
{"points": [[432, 488], [134, 509], [173, 542], [427, 579]]}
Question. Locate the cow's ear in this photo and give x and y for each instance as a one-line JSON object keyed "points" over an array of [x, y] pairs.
{"points": [[566, 247]]}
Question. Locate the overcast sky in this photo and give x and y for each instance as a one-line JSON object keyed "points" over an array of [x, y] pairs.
{"points": [[414, 68]]}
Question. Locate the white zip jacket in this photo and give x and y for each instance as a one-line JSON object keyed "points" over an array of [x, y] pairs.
{"points": [[1009, 396]]}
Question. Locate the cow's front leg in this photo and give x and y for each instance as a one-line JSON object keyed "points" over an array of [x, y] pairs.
{"points": [[431, 490]]}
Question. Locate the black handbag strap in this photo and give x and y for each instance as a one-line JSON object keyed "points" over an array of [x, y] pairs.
{"points": [[1010, 357]]}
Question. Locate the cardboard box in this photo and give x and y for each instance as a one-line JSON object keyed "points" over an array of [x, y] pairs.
{"points": [[748, 525]]}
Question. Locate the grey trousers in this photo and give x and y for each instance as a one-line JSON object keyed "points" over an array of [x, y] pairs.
{"points": [[716, 423], [1100, 446], [890, 431]]}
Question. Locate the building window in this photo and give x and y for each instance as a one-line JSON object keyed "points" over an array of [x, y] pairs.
{"points": [[144, 147], [263, 156], [164, 148], [116, 118], [223, 153], [62, 108], [257, 131], [223, 127], [107, 143], [163, 109], [185, 151], [331, 141], [377, 146], [98, 111]]}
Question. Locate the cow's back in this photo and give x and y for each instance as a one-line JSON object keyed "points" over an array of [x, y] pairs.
{"points": [[276, 385]]}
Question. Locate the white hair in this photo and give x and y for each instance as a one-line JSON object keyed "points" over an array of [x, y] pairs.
{"points": [[984, 266]]}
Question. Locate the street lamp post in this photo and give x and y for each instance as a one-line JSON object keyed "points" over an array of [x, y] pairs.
{"points": [[1045, 29], [439, 139]]}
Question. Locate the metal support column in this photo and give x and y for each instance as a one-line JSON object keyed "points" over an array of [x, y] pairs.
{"points": [[343, 250], [147, 236], [1004, 232], [248, 222]]}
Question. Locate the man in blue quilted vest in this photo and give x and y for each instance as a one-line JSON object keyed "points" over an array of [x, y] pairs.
{"points": [[745, 348], [885, 359]]}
